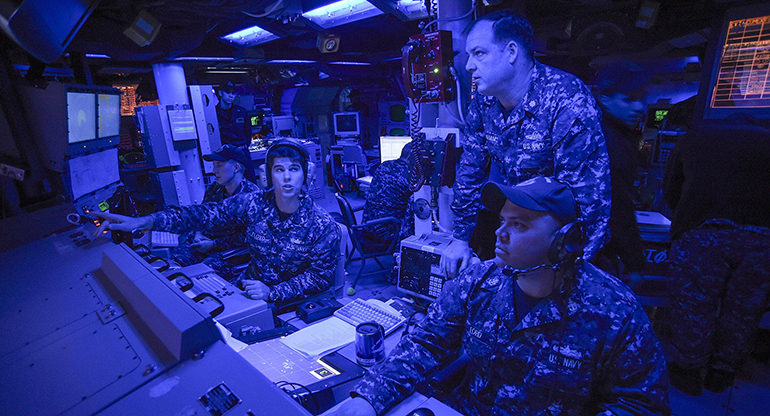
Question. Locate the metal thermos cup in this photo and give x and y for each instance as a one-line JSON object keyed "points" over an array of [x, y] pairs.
{"points": [[370, 344]]}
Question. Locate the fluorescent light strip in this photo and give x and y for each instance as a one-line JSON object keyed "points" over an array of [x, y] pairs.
{"points": [[250, 36], [203, 58], [290, 61], [341, 12], [349, 63], [222, 71], [98, 55]]}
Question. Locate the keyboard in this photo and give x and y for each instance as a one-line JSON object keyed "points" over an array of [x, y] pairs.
{"points": [[359, 311], [164, 239]]}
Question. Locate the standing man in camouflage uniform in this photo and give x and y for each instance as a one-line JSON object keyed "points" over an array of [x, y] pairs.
{"points": [[294, 243], [717, 183], [546, 332], [388, 196], [528, 120], [231, 166]]}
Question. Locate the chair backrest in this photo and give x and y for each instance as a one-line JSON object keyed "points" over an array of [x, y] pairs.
{"points": [[353, 153], [346, 210]]}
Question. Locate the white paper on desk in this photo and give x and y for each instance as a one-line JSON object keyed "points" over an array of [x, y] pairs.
{"points": [[321, 338], [228, 336]]}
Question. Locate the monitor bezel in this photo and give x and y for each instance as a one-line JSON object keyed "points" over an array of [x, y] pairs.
{"points": [[347, 133]]}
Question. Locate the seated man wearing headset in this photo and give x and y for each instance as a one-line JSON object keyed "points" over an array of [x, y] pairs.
{"points": [[546, 332], [294, 243]]}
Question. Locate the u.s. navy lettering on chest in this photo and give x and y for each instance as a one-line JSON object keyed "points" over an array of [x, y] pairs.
{"points": [[533, 142], [564, 361]]}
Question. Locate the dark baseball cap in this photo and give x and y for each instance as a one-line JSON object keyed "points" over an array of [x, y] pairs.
{"points": [[229, 152], [227, 87], [544, 194], [624, 77]]}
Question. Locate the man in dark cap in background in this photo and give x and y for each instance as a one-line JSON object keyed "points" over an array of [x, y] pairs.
{"points": [[232, 168], [619, 90], [231, 117], [546, 332]]}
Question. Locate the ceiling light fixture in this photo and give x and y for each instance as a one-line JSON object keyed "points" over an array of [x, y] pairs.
{"points": [[226, 71], [204, 58], [290, 61], [249, 37], [342, 12], [413, 9], [349, 63]]}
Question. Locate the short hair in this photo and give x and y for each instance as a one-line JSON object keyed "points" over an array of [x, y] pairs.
{"points": [[289, 152], [509, 25]]}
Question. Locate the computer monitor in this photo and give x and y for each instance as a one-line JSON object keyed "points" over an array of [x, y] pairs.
{"points": [[739, 74], [109, 115], [81, 116], [347, 124], [655, 117], [254, 121], [283, 125], [391, 146]]}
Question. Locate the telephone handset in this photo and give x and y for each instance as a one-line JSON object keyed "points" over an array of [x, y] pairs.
{"points": [[409, 54]]}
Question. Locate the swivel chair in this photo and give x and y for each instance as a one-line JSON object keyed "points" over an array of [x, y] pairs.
{"points": [[365, 248]]}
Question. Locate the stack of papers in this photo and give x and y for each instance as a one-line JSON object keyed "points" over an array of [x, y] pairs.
{"points": [[164, 239], [653, 226], [321, 338]]}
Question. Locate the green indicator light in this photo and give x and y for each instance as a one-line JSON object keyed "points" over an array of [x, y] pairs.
{"points": [[435, 70]]}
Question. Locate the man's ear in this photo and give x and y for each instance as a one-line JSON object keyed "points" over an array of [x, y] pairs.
{"points": [[512, 49]]}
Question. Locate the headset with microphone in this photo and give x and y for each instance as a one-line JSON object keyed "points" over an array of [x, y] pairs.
{"points": [[290, 143], [566, 248]]}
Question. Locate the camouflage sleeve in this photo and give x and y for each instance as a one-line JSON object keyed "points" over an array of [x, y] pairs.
{"points": [[581, 160], [472, 173], [230, 241], [211, 193], [324, 258], [231, 212], [634, 379], [429, 345]]}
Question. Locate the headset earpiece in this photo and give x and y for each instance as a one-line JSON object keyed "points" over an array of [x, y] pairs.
{"points": [[568, 243], [303, 153]]}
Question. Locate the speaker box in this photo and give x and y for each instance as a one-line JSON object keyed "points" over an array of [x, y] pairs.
{"points": [[143, 29], [328, 43]]}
